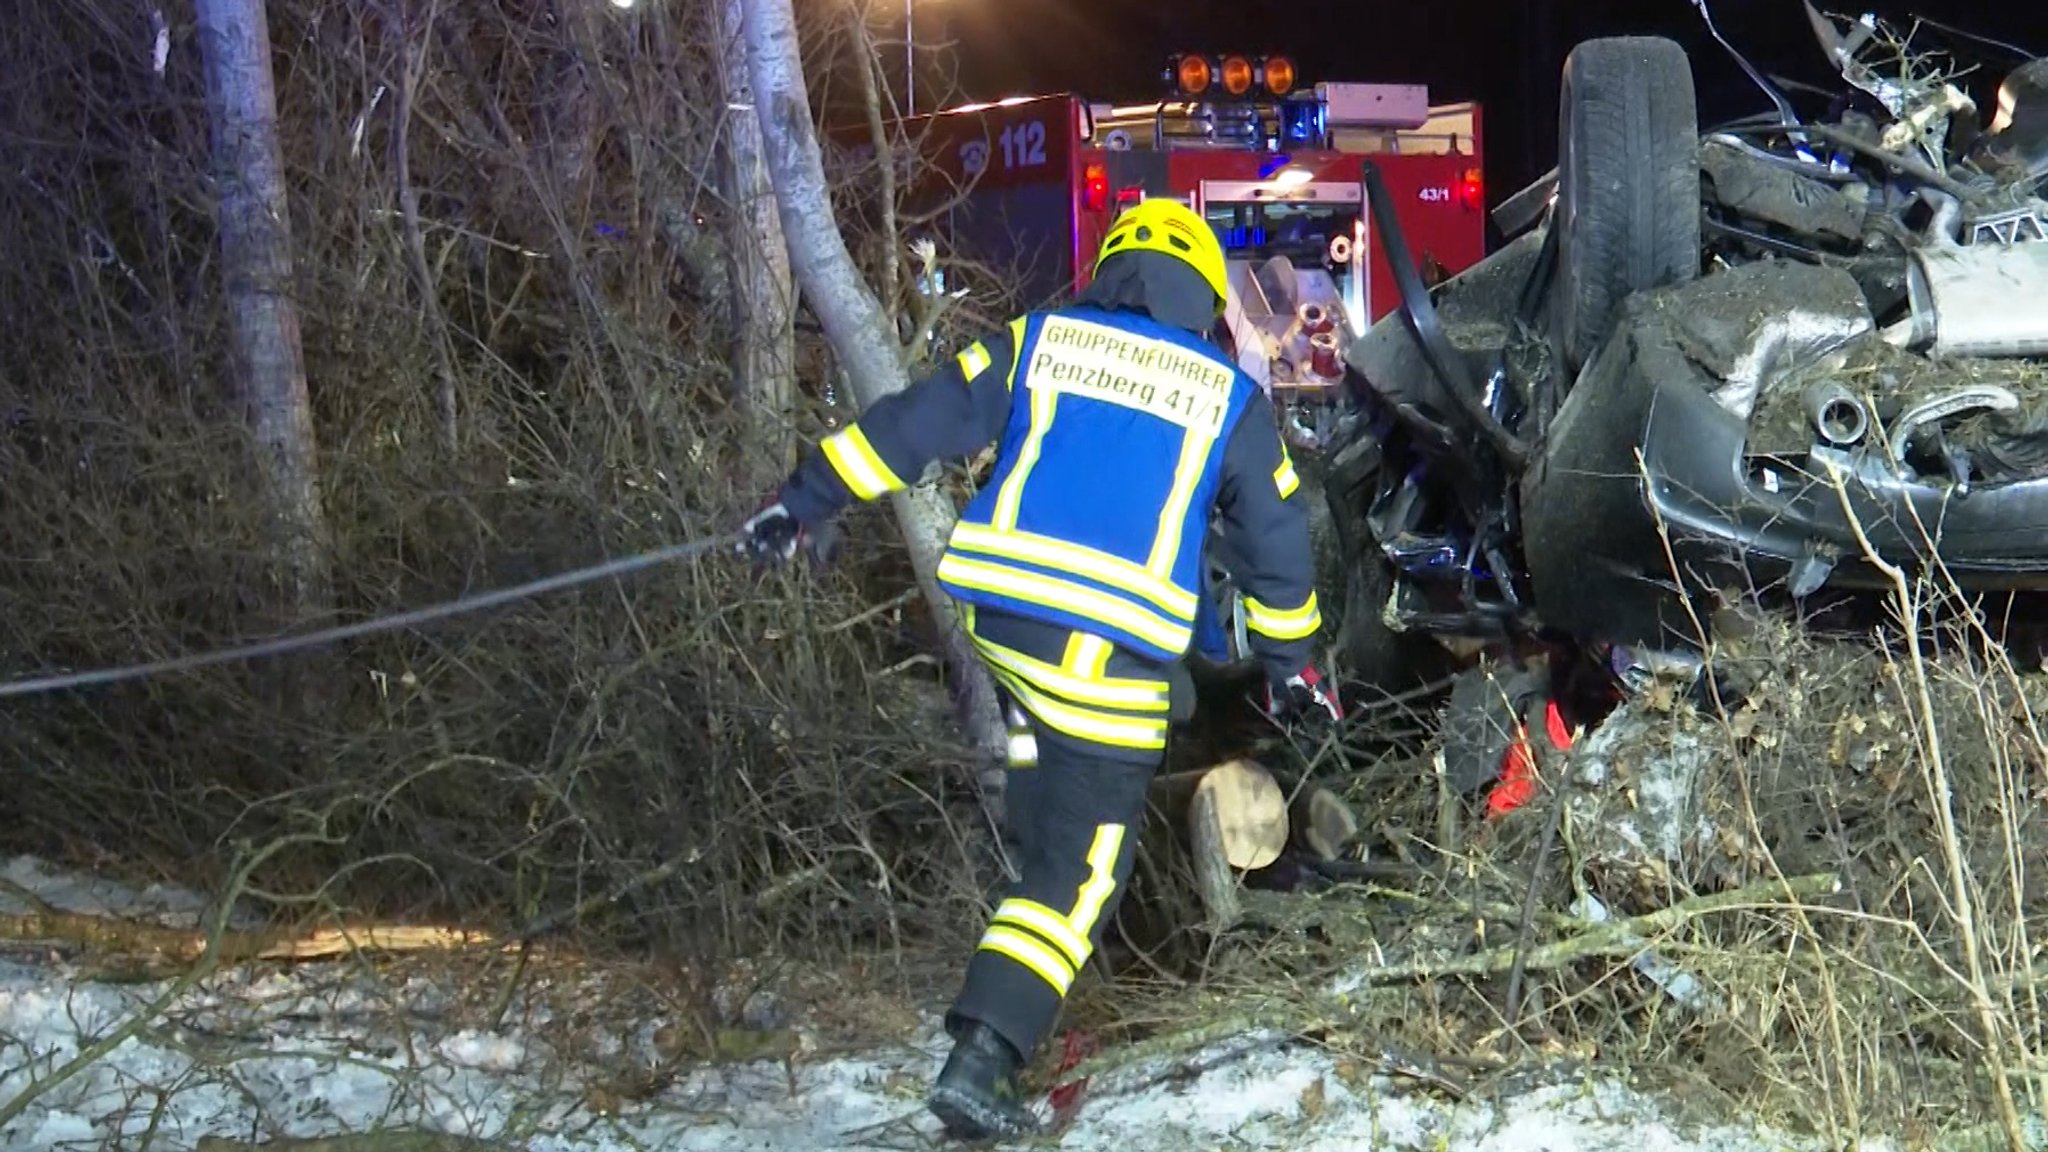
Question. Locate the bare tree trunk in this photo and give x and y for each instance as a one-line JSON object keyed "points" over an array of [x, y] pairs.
{"points": [[255, 238], [885, 165], [763, 297], [409, 70], [860, 334]]}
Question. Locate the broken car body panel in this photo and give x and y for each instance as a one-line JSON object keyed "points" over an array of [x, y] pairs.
{"points": [[1737, 518]]}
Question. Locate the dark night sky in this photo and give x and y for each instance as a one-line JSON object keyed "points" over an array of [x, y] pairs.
{"points": [[1504, 53]]}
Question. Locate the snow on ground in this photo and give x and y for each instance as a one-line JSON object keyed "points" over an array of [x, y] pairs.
{"points": [[94, 896], [321, 1050]]}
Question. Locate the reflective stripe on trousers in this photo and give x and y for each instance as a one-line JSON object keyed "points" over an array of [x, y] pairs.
{"points": [[1074, 811]]}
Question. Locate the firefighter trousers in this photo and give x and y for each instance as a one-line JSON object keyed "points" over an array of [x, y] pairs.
{"points": [[1098, 717]]}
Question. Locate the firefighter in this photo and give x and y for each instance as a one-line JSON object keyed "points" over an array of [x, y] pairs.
{"points": [[1078, 571]]}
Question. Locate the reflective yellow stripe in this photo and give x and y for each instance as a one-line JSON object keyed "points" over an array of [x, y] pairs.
{"points": [[1047, 923], [1084, 723], [1194, 453], [1052, 592], [1011, 495], [1295, 624], [1087, 656], [1042, 961], [851, 456], [974, 361], [1284, 477], [1016, 353], [1134, 695], [1102, 854], [1047, 552]]}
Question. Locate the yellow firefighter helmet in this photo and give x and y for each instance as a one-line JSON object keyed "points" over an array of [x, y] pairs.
{"points": [[1169, 226]]}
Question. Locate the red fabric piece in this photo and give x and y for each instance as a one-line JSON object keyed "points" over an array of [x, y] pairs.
{"points": [[1518, 765], [1559, 732]]}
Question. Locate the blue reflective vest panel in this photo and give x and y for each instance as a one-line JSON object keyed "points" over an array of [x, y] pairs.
{"points": [[1097, 512]]}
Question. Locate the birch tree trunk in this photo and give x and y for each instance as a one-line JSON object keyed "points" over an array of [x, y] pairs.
{"points": [[269, 375], [860, 334], [763, 297]]}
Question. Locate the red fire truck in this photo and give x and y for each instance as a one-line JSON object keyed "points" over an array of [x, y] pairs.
{"points": [[1031, 184]]}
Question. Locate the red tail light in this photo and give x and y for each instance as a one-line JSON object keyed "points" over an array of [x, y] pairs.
{"points": [[1472, 190], [1095, 188]]}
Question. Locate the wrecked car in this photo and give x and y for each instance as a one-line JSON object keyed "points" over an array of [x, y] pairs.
{"points": [[1733, 360]]}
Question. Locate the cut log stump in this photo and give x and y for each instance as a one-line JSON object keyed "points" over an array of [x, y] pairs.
{"points": [[1323, 823], [1234, 816]]}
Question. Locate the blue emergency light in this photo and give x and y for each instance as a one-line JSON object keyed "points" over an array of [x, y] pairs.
{"points": [[1301, 122], [1239, 236]]}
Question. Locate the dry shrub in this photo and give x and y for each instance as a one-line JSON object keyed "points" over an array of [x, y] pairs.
{"points": [[1911, 774], [781, 749]]}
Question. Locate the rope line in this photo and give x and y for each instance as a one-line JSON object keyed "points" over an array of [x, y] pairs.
{"points": [[394, 622]]}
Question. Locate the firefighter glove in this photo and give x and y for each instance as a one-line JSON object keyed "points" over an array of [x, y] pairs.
{"points": [[1303, 696], [773, 535]]}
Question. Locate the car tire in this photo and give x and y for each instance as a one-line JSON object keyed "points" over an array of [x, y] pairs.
{"points": [[1628, 196], [1374, 654]]}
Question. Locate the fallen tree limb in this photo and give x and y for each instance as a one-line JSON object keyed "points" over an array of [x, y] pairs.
{"points": [[1271, 1024], [1993, 1136], [1611, 937], [1265, 1027], [403, 1140], [130, 937], [46, 924], [1289, 1017], [209, 961]]}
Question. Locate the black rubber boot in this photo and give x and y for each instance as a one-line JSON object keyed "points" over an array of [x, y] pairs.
{"points": [[976, 1094]]}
